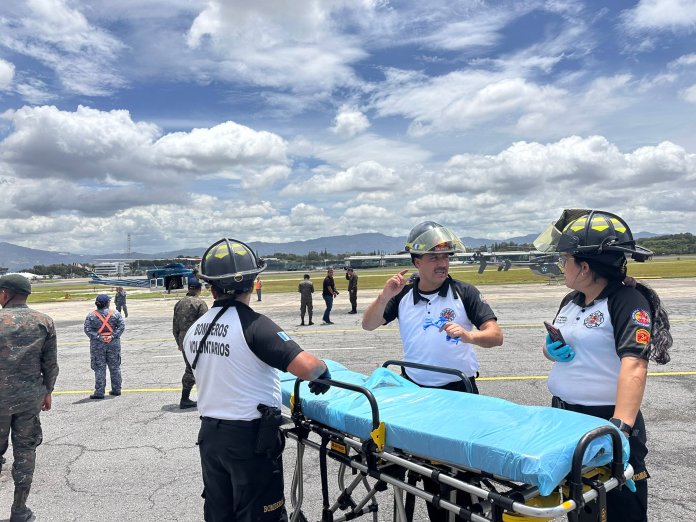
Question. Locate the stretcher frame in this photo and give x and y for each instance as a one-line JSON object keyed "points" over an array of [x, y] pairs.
{"points": [[493, 498]]}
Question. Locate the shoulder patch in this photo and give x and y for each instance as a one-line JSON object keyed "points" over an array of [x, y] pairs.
{"points": [[640, 317], [283, 336], [594, 319], [642, 336]]}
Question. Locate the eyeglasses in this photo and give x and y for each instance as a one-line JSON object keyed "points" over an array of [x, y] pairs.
{"points": [[563, 260]]}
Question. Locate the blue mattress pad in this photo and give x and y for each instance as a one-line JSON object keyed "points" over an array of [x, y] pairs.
{"points": [[528, 444]]}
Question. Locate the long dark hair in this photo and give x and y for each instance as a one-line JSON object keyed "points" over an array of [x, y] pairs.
{"points": [[613, 268]]}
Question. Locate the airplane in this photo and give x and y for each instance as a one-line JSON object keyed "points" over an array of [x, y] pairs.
{"points": [[540, 263], [173, 276]]}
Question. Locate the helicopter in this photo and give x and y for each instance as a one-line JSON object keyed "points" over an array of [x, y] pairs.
{"points": [[173, 276]]}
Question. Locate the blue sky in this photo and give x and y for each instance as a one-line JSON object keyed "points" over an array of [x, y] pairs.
{"points": [[183, 121]]}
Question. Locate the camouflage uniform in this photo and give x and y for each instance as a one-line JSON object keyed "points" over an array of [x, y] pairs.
{"points": [[28, 372], [306, 289], [186, 312], [102, 353]]}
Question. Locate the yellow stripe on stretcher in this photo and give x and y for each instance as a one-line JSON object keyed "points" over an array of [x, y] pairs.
{"points": [[602, 474], [379, 436]]}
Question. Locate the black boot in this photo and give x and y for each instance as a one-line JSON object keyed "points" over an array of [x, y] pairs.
{"points": [[185, 402], [310, 320], [20, 512]]}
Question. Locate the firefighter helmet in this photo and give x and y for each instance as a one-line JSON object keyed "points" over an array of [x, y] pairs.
{"points": [[431, 237], [593, 234], [230, 264]]}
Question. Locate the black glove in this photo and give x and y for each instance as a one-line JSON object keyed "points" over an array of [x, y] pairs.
{"points": [[318, 388]]}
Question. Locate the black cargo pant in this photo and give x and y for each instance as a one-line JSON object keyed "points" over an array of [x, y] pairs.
{"points": [[623, 505], [463, 499], [239, 484]]}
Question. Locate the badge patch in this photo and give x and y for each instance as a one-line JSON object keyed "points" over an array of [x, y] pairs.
{"points": [[640, 317], [561, 319], [642, 336], [284, 336], [594, 319], [448, 314]]}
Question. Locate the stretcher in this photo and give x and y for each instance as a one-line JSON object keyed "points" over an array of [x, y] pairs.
{"points": [[491, 459]]}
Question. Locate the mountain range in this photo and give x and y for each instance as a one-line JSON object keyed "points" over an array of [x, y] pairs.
{"points": [[17, 257]]}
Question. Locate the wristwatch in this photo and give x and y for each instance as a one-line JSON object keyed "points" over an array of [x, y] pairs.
{"points": [[626, 428]]}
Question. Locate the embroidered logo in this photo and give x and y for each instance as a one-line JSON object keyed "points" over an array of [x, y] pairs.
{"points": [[448, 315], [594, 319], [642, 336], [640, 317], [561, 319]]}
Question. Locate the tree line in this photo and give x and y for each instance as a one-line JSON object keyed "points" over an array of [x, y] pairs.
{"points": [[670, 244]]}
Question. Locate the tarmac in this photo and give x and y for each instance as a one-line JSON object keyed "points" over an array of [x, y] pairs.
{"points": [[134, 457]]}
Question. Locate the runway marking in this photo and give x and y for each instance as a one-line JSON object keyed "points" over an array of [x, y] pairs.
{"points": [[501, 378]]}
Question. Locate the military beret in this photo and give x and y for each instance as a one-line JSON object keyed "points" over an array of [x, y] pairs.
{"points": [[16, 283]]}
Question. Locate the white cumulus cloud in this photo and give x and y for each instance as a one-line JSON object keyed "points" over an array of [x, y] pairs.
{"points": [[350, 121]]}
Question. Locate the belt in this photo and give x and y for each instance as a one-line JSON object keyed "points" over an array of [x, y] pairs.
{"points": [[228, 422], [604, 411]]}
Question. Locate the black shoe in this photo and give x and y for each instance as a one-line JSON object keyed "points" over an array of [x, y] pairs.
{"points": [[353, 312], [97, 396], [114, 392], [187, 403], [23, 515], [329, 322], [302, 323], [310, 323]]}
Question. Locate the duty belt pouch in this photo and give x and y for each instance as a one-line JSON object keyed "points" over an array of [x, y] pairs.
{"points": [[269, 424]]}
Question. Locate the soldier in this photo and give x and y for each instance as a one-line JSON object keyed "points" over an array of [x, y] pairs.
{"points": [[352, 278], [120, 301], [104, 328], [306, 289], [186, 312], [28, 372]]}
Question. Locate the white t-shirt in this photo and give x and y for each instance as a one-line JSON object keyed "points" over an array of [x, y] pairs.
{"points": [[236, 369]]}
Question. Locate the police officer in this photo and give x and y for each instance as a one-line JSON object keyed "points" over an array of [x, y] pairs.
{"points": [[440, 319], [234, 353], [186, 312], [611, 327], [28, 372], [104, 327], [352, 278], [306, 289]]}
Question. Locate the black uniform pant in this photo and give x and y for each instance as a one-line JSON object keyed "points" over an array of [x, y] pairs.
{"points": [[623, 505], [239, 484], [463, 499]]}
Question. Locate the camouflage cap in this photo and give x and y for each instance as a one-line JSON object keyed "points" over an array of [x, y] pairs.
{"points": [[16, 283]]}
